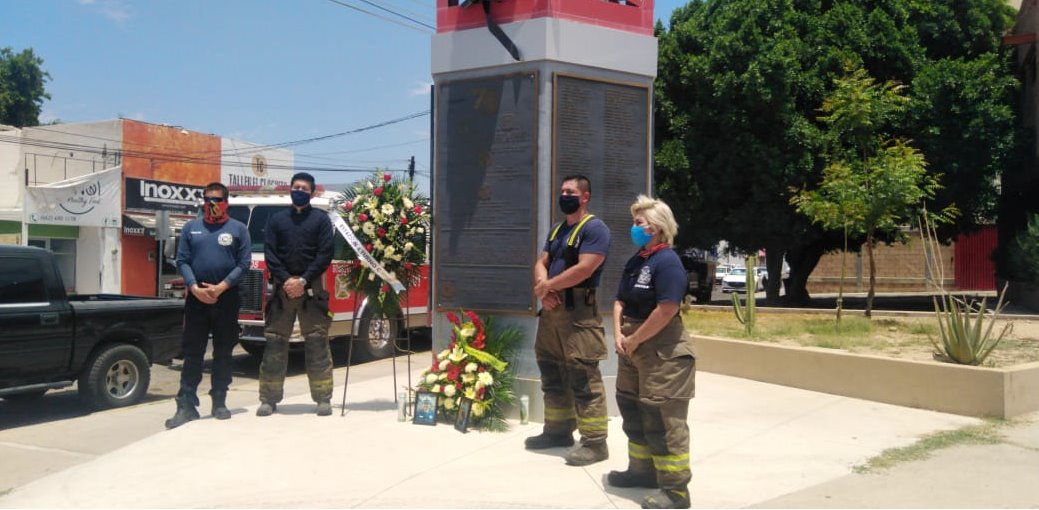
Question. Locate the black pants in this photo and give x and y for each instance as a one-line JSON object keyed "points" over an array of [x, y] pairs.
{"points": [[200, 319]]}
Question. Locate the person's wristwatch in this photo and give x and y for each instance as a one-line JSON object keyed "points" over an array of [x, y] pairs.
{"points": [[304, 280]]}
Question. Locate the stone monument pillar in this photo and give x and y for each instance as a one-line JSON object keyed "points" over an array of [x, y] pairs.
{"points": [[530, 92]]}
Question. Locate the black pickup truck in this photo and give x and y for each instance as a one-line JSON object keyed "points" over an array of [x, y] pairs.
{"points": [[104, 343]]}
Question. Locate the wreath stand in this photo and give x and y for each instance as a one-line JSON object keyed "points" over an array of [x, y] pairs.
{"points": [[354, 327]]}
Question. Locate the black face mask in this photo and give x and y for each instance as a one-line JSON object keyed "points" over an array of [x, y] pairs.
{"points": [[569, 204]]}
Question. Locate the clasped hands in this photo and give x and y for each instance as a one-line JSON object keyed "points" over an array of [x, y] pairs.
{"points": [[625, 344], [207, 292], [294, 287], [549, 297]]}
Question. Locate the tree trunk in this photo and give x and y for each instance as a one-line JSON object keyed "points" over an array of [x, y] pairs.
{"points": [[802, 260], [872, 276], [774, 264], [840, 285]]}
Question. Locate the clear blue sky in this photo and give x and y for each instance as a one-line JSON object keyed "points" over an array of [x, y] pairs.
{"points": [[263, 71]]}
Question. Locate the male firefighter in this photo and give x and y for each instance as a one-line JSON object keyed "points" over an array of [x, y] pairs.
{"points": [[298, 250], [570, 340], [212, 255]]}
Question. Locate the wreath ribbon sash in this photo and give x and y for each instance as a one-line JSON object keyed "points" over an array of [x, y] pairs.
{"points": [[362, 254]]}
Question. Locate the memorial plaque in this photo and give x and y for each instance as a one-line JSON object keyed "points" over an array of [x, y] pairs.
{"points": [[601, 130], [486, 145]]}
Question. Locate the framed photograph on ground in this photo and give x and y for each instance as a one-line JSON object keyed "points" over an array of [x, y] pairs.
{"points": [[465, 408], [425, 408]]}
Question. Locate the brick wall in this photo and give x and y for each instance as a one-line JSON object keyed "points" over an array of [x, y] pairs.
{"points": [[900, 268]]}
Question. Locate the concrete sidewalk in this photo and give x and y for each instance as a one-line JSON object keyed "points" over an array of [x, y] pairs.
{"points": [[753, 444]]}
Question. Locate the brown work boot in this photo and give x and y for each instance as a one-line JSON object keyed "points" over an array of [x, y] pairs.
{"points": [[667, 498], [588, 454], [544, 440], [631, 478]]}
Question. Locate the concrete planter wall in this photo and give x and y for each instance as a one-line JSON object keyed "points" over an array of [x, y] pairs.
{"points": [[945, 387]]}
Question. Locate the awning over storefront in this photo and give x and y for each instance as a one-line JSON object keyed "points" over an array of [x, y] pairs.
{"points": [[144, 224]]}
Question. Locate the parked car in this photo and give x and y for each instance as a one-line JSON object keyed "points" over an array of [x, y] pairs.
{"points": [[104, 343], [720, 273], [700, 268], [736, 280]]}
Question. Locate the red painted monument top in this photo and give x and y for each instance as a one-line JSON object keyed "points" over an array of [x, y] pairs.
{"points": [[630, 15]]}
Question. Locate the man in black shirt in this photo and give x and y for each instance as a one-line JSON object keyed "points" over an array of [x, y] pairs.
{"points": [[298, 250]]}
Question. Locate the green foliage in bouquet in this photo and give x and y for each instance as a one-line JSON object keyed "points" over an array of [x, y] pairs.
{"points": [[391, 221], [474, 366]]}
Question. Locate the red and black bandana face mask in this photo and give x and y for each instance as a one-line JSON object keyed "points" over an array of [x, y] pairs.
{"points": [[214, 210]]}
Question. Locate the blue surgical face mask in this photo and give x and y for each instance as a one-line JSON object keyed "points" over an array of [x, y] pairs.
{"points": [[639, 236], [300, 198]]}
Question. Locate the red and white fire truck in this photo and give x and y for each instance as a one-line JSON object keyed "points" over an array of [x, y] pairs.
{"points": [[253, 205]]}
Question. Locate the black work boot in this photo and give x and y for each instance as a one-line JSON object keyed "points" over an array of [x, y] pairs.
{"points": [[185, 412], [324, 408], [588, 453], [545, 440], [266, 409], [667, 498], [631, 478], [220, 410]]}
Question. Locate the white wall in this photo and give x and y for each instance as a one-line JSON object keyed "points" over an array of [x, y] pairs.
{"points": [[11, 177], [52, 164]]}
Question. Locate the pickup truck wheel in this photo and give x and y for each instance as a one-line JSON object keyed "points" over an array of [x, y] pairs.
{"points": [[117, 376], [24, 397], [254, 349], [376, 336]]}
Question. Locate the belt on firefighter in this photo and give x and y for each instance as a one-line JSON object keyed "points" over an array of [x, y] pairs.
{"points": [[589, 296]]}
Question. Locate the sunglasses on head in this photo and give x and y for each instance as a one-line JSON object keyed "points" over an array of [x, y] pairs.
{"points": [[215, 199]]}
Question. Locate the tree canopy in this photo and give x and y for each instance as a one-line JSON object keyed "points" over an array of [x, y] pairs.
{"points": [[738, 96], [22, 87]]}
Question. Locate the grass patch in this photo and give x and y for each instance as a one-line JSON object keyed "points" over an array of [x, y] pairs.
{"points": [[985, 433], [903, 337]]}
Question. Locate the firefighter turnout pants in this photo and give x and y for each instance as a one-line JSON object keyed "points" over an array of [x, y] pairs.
{"points": [[568, 348], [654, 386], [314, 319]]}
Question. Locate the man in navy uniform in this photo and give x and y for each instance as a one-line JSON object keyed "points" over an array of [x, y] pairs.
{"points": [[212, 254]]}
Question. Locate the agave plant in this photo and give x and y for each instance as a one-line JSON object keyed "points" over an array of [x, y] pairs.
{"points": [[965, 337]]}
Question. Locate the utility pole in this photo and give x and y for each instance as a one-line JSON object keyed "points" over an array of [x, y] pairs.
{"points": [[411, 170]]}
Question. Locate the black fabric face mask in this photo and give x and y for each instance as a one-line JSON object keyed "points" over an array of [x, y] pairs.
{"points": [[569, 204]]}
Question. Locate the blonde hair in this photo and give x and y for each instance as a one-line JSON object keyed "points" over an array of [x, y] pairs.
{"points": [[658, 215]]}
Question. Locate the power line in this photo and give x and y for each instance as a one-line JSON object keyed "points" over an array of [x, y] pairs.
{"points": [[419, 15], [395, 22], [256, 148], [167, 158], [395, 13], [368, 149]]}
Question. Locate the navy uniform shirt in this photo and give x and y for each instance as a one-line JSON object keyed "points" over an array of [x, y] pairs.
{"points": [[594, 237], [661, 278], [298, 243], [213, 252]]}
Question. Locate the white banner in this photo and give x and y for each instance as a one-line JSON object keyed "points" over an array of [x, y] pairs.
{"points": [[91, 200], [351, 239]]}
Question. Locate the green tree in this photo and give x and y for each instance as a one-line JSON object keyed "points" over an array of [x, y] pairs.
{"points": [[22, 87], [738, 90], [874, 183]]}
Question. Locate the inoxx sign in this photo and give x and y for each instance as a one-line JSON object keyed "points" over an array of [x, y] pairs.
{"points": [[147, 195]]}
